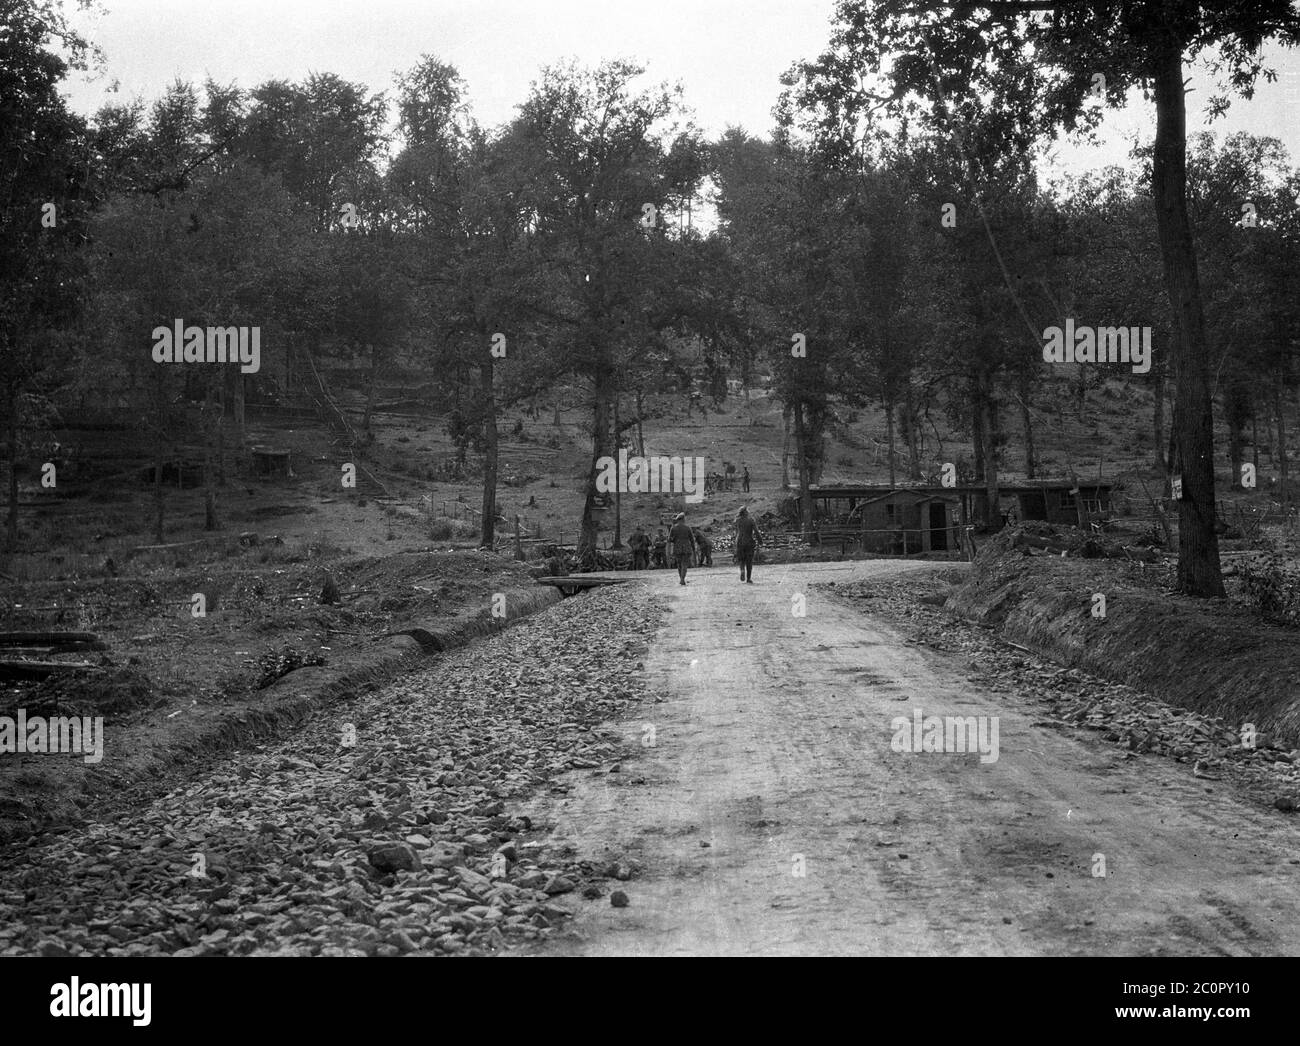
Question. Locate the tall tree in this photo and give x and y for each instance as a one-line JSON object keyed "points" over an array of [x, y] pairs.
{"points": [[599, 151], [43, 201], [1034, 63]]}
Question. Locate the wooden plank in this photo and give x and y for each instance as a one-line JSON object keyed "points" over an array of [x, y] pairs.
{"points": [[582, 582], [41, 669], [46, 638], [173, 544]]}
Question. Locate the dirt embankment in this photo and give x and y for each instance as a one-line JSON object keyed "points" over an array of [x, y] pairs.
{"points": [[1208, 655], [173, 689]]}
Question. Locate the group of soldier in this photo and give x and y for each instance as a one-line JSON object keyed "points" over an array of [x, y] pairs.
{"points": [[716, 481], [685, 546]]}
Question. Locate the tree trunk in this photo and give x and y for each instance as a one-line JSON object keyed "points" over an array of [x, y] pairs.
{"points": [[599, 437], [1172, 454], [989, 423], [210, 520], [801, 457], [785, 451], [11, 524], [158, 445], [370, 390], [618, 492], [911, 432], [240, 432], [489, 405], [1199, 572], [889, 422], [1158, 420], [1281, 437], [1027, 423], [640, 434], [1237, 410], [221, 436]]}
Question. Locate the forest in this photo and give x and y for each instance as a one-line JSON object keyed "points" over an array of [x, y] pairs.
{"points": [[890, 250]]}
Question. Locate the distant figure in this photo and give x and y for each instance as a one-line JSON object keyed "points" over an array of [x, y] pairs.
{"points": [[704, 547], [748, 539], [744, 480], [683, 545], [660, 549], [639, 543]]}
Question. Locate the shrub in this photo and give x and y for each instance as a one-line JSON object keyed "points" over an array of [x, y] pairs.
{"points": [[275, 665], [445, 529], [1272, 590]]}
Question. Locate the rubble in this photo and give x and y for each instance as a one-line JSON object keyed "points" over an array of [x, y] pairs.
{"points": [[1126, 717], [406, 842]]}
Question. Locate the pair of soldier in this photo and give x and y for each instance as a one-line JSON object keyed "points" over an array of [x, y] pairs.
{"points": [[640, 546], [747, 540], [685, 541]]}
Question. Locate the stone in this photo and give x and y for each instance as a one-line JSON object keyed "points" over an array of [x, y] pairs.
{"points": [[443, 855], [393, 857], [558, 884]]}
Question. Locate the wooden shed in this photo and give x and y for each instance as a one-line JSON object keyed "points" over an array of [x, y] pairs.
{"points": [[907, 521], [928, 518], [1061, 501], [904, 521]]}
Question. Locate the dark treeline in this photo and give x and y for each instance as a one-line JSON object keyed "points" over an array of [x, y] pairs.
{"points": [[868, 253]]}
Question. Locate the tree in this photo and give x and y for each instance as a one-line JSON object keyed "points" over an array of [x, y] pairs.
{"points": [[1033, 63], [43, 201], [598, 154], [463, 196]]}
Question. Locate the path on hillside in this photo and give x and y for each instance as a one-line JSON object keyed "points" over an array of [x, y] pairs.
{"points": [[772, 742]]}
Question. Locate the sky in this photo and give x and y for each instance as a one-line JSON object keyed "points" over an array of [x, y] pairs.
{"points": [[728, 55]]}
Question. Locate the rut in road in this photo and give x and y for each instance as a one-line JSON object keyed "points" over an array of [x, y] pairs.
{"points": [[772, 757]]}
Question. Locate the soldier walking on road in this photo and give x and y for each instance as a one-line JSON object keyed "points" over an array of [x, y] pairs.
{"points": [[744, 480], [748, 539], [683, 545], [705, 547], [640, 545], [660, 549]]}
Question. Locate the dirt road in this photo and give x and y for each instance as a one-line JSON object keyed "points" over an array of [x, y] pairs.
{"points": [[772, 757]]}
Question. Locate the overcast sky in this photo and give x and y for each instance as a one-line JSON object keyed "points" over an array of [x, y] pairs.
{"points": [[727, 54]]}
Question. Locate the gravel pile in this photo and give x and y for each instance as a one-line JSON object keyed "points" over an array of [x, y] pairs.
{"points": [[386, 827]]}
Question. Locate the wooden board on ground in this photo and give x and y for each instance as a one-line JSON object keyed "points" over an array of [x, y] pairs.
{"points": [[41, 669], [571, 585]]}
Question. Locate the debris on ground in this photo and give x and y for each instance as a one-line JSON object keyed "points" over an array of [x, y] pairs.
{"points": [[387, 827]]}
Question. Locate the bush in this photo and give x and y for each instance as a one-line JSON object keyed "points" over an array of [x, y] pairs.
{"points": [[1272, 590], [276, 664], [446, 529]]}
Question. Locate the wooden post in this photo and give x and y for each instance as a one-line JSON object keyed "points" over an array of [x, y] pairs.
{"points": [[519, 548]]}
